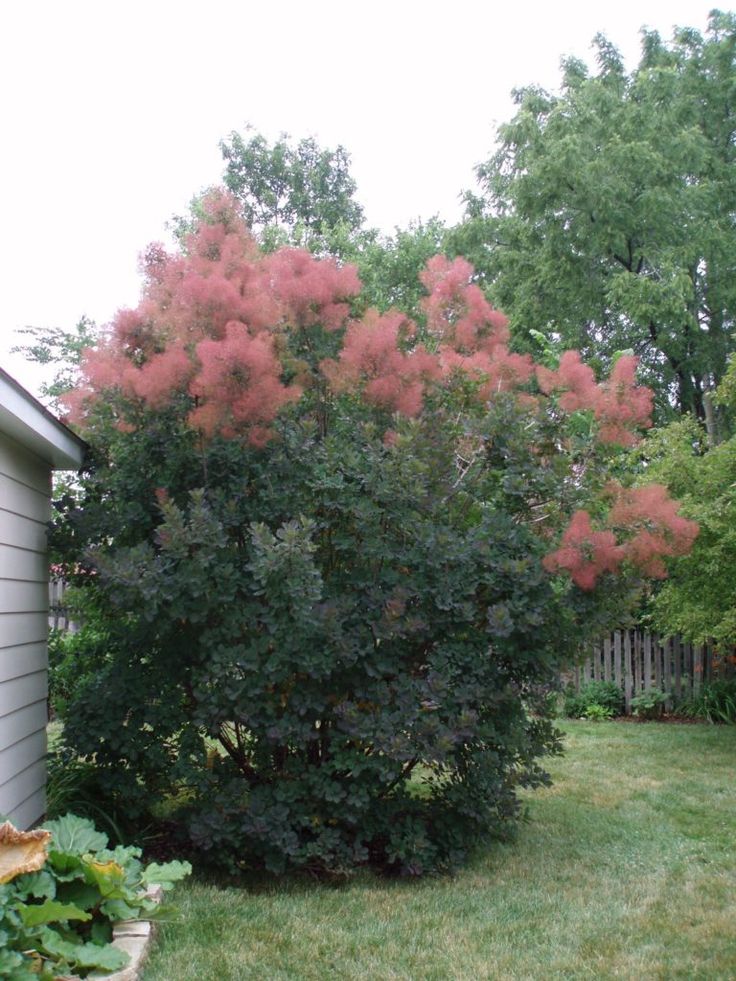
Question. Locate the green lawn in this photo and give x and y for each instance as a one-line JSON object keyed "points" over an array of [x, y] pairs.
{"points": [[625, 869]]}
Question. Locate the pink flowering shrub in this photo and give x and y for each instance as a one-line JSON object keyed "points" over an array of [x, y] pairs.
{"points": [[345, 547]]}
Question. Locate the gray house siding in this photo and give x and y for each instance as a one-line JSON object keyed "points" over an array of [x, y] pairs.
{"points": [[32, 444], [25, 490]]}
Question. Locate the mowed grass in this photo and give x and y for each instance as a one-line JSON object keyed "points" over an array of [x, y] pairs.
{"points": [[626, 868]]}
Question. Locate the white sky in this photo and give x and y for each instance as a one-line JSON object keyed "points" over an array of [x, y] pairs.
{"points": [[111, 114]]}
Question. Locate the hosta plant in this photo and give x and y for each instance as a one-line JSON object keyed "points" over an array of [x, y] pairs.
{"points": [[61, 891]]}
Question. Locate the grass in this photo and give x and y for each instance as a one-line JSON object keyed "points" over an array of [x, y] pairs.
{"points": [[626, 868]]}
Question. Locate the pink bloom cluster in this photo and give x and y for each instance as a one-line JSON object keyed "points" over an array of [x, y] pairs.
{"points": [[619, 405], [212, 319], [648, 524], [208, 324], [467, 336]]}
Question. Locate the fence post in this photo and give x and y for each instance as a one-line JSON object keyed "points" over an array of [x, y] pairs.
{"points": [[627, 670], [697, 668], [637, 659], [647, 662], [688, 670]]}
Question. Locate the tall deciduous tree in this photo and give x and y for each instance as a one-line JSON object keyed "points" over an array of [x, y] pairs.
{"points": [[289, 187], [606, 217]]}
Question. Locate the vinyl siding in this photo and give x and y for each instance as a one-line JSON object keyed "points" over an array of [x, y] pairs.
{"points": [[25, 490]]}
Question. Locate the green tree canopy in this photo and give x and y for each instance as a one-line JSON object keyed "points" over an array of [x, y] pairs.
{"points": [[299, 188], [606, 217], [699, 600]]}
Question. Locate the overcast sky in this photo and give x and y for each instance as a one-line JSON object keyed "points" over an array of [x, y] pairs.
{"points": [[112, 112]]}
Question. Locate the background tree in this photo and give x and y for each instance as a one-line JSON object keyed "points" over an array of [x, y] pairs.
{"points": [[61, 348], [605, 218], [699, 600], [341, 551], [291, 189]]}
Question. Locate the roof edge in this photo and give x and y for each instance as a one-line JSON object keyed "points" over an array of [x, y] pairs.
{"points": [[31, 424]]}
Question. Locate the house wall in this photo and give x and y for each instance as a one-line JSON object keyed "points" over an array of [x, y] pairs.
{"points": [[25, 491]]}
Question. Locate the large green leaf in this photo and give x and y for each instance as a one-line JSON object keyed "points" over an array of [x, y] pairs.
{"points": [[65, 866], [118, 909], [85, 955], [109, 877], [76, 835], [165, 875], [82, 894], [15, 967], [50, 912], [39, 885]]}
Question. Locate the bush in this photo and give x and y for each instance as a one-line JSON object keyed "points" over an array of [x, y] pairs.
{"points": [[321, 552], [715, 702], [597, 713], [73, 657], [61, 891], [649, 704], [605, 694]]}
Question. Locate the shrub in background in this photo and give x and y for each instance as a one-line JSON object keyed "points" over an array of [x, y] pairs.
{"points": [[714, 702], [73, 656], [597, 713], [605, 694], [649, 704], [333, 558]]}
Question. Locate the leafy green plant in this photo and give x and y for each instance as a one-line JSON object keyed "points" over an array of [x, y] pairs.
{"points": [[73, 656], [649, 704], [715, 702], [597, 713], [605, 694], [72, 787], [58, 919]]}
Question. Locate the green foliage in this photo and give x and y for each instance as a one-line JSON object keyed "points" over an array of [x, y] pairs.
{"points": [[54, 345], [597, 713], [299, 190], [58, 921], [327, 656], [389, 265], [72, 656], [649, 704], [605, 695], [698, 601], [406, 622], [604, 219], [72, 786], [714, 702]]}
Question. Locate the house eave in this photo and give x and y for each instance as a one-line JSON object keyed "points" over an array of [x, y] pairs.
{"points": [[24, 419]]}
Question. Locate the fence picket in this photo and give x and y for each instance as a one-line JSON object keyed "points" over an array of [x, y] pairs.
{"points": [[697, 668], [627, 670], [617, 655], [647, 662], [607, 659]]}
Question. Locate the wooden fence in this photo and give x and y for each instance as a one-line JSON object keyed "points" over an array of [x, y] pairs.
{"points": [[58, 613], [639, 661]]}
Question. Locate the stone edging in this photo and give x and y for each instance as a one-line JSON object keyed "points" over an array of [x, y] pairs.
{"points": [[134, 938]]}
